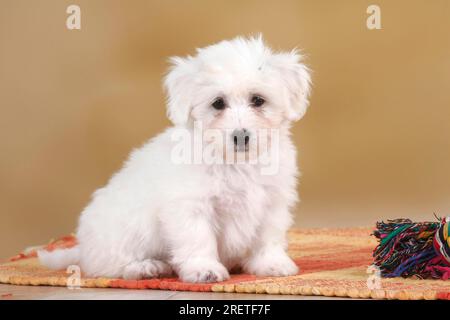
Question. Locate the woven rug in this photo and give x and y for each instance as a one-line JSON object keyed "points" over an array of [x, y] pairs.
{"points": [[333, 262]]}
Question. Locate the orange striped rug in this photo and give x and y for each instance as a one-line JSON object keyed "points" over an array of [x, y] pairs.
{"points": [[333, 262]]}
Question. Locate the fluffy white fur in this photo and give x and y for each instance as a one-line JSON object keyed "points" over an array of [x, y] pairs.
{"points": [[200, 221]]}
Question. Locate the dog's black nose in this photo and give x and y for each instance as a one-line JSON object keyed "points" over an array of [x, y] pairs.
{"points": [[241, 138]]}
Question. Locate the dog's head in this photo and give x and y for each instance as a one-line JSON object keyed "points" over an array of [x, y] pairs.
{"points": [[239, 86]]}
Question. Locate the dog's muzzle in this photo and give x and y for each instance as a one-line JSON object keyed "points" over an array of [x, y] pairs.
{"points": [[241, 139]]}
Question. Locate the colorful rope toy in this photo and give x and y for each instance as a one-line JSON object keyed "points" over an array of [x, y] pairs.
{"points": [[409, 249]]}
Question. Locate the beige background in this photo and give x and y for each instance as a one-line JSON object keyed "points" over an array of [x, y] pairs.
{"points": [[374, 144]]}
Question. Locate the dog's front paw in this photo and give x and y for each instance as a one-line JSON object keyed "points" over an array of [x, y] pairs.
{"points": [[148, 268], [276, 265], [203, 270]]}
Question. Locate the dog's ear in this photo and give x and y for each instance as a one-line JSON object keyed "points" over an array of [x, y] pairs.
{"points": [[296, 80], [178, 85]]}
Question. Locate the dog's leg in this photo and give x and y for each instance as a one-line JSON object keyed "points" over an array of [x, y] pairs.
{"points": [[269, 257], [148, 268], [193, 244]]}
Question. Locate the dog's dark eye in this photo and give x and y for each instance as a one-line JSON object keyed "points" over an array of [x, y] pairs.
{"points": [[219, 104], [257, 101]]}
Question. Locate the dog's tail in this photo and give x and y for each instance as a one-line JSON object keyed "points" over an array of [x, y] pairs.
{"points": [[60, 258]]}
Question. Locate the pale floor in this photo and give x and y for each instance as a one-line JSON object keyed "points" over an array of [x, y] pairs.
{"points": [[62, 293]]}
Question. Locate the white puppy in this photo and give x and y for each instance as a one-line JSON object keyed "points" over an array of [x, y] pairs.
{"points": [[201, 220]]}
